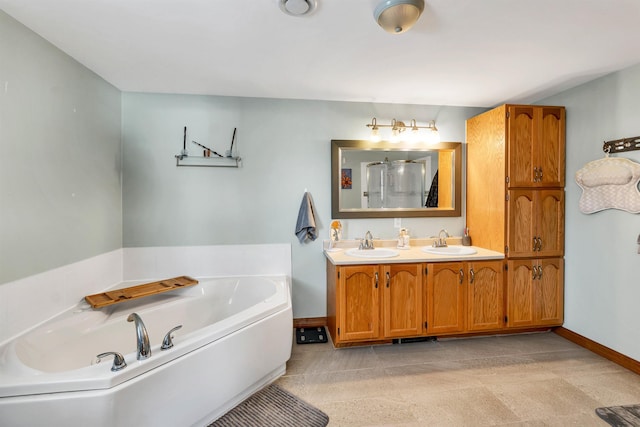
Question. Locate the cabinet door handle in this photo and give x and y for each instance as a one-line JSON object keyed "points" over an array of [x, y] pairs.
{"points": [[539, 243], [534, 272], [461, 276], [472, 275], [537, 272], [535, 244], [376, 275], [388, 279], [535, 174], [540, 174]]}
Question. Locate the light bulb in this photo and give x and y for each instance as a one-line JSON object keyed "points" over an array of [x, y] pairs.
{"points": [[434, 137], [395, 136], [415, 136], [375, 135]]}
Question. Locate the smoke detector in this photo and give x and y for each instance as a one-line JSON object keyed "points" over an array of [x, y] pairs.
{"points": [[298, 7]]}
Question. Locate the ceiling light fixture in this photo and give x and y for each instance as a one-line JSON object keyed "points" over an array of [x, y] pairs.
{"points": [[298, 7], [398, 127], [398, 16]]}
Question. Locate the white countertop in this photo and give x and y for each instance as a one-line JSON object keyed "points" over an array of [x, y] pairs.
{"points": [[338, 256]]}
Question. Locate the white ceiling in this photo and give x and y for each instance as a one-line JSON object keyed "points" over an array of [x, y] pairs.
{"points": [[461, 52]]}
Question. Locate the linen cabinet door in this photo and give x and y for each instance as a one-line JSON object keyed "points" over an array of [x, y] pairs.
{"points": [[550, 223], [549, 292], [521, 131], [520, 293], [521, 230], [359, 303], [550, 147], [485, 296], [445, 298], [402, 300]]}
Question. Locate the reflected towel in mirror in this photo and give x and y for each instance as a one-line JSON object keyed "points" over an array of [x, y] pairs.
{"points": [[306, 224]]}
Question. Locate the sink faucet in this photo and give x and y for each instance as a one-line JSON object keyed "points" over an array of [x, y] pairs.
{"points": [[368, 241], [441, 241], [142, 337]]}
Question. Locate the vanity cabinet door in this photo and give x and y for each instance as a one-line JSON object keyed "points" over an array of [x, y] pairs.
{"points": [[521, 130], [520, 293], [402, 300], [485, 295], [550, 222], [535, 292], [549, 292], [358, 297], [550, 147], [535, 146], [536, 223], [445, 297], [521, 230]]}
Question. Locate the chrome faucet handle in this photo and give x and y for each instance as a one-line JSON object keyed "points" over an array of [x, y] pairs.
{"points": [[361, 246], [118, 360], [167, 342]]}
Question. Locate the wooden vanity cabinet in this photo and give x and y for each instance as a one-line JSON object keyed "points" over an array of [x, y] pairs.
{"points": [[464, 297], [374, 302], [535, 289]]}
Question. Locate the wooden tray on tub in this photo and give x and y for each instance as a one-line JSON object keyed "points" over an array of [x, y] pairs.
{"points": [[139, 291]]}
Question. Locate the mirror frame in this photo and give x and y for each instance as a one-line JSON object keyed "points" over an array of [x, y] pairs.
{"points": [[338, 145]]}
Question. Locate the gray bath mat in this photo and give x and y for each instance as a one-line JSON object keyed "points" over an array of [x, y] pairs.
{"points": [[273, 406], [621, 416]]}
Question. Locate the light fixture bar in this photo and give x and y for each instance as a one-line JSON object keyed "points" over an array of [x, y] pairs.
{"points": [[401, 126], [398, 126]]}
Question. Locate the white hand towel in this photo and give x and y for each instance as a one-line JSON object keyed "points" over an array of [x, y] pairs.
{"points": [[306, 224]]}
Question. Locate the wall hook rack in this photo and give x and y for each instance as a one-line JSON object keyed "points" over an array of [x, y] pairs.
{"points": [[620, 145], [207, 160]]}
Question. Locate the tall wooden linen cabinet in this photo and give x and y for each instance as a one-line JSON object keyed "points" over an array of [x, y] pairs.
{"points": [[515, 205]]}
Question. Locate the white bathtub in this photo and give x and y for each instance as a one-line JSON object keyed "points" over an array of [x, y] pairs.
{"points": [[236, 337]]}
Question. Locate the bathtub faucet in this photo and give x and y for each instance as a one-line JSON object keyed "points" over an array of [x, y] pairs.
{"points": [[142, 337]]}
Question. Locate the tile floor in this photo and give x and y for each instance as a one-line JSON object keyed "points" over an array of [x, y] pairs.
{"points": [[516, 380]]}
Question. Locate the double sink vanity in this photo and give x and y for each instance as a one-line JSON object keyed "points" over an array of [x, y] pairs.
{"points": [[381, 294], [513, 281]]}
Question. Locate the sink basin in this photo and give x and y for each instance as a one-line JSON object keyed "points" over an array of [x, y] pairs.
{"points": [[373, 253], [450, 250]]}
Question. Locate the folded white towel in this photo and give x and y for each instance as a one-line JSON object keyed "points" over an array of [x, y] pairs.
{"points": [[306, 224]]}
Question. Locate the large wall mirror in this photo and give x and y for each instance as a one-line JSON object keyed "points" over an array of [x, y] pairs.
{"points": [[395, 180]]}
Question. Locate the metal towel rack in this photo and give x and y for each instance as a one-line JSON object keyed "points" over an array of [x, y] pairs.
{"points": [[620, 145]]}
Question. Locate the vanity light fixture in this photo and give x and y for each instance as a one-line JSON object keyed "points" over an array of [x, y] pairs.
{"points": [[399, 127], [398, 16]]}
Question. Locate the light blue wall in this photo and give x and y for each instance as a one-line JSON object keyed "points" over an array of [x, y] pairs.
{"points": [[602, 270], [60, 188], [285, 146]]}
